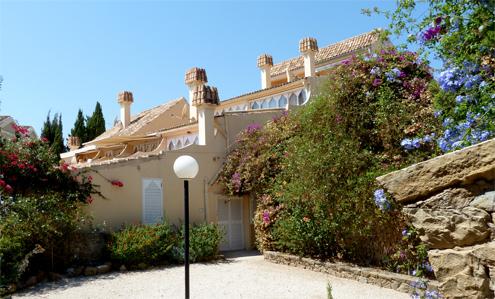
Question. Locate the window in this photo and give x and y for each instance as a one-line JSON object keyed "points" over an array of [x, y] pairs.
{"points": [[196, 140], [293, 100], [171, 146], [187, 142], [264, 105], [255, 105], [152, 201], [179, 144], [272, 103], [282, 102], [302, 97]]}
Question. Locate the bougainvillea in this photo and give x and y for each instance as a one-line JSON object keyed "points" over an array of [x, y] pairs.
{"points": [[315, 181], [41, 205], [462, 34]]}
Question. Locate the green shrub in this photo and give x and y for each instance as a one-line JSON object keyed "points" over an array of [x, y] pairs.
{"points": [[204, 240], [149, 244], [313, 173], [47, 222]]}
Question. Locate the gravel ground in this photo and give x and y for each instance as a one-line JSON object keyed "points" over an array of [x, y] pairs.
{"points": [[245, 275]]}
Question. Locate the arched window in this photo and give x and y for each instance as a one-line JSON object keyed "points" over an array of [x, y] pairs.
{"points": [[282, 102], [187, 142], [196, 140], [178, 145], [272, 103], [264, 105], [293, 100], [230, 109], [302, 97], [255, 105], [171, 146]]}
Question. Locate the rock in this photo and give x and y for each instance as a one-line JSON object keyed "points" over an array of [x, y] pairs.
{"points": [[104, 268], [31, 281], [123, 268], [142, 266], [457, 198], [54, 276], [463, 272], [423, 179], [89, 271], [485, 202], [448, 228]]}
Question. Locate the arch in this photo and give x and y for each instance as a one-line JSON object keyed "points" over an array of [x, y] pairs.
{"points": [[171, 146], [187, 142], [282, 102], [255, 105], [272, 103], [196, 140], [264, 104], [178, 145], [293, 100], [301, 99]]}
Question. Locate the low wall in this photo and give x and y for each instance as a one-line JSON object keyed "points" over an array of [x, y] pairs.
{"points": [[390, 280], [450, 200]]}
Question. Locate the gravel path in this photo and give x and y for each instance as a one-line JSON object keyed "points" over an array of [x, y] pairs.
{"points": [[247, 276]]}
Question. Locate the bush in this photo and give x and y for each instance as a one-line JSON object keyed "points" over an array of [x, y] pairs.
{"points": [[41, 205], [204, 240], [161, 243], [374, 115], [149, 244]]}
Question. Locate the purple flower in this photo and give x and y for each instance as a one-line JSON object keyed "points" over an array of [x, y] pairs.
{"points": [[381, 200], [377, 82], [266, 217], [404, 232], [236, 181], [253, 128]]}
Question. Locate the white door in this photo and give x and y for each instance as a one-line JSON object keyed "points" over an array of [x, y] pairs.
{"points": [[152, 201], [230, 220]]}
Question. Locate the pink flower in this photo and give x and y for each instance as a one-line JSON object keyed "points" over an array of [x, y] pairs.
{"points": [[377, 82], [266, 217], [117, 183]]}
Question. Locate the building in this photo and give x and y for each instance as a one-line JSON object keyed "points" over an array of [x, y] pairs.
{"points": [[7, 127], [139, 151]]}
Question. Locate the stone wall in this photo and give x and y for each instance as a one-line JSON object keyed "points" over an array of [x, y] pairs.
{"points": [[395, 281], [450, 199]]}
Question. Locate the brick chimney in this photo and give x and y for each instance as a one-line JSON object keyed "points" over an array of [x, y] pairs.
{"points": [[205, 100], [265, 63], [308, 47], [194, 78], [125, 100]]}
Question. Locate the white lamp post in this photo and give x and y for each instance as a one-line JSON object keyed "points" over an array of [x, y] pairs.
{"points": [[185, 168]]}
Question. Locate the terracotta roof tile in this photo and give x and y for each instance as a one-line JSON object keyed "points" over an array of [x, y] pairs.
{"points": [[137, 122], [329, 52]]}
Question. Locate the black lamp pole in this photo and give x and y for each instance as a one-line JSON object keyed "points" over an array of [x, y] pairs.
{"points": [[186, 234]]}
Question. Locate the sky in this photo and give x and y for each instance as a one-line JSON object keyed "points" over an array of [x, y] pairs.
{"points": [[61, 56]]}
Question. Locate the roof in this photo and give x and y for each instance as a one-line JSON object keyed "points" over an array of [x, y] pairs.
{"points": [[137, 122], [329, 52], [266, 90]]}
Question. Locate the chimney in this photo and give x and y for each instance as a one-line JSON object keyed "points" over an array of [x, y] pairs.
{"points": [[125, 100], [74, 143], [205, 100], [194, 78], [308, 48], [265, 63]]}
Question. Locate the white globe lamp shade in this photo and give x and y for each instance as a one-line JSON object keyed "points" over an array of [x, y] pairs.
{"points": [[186, 167]]}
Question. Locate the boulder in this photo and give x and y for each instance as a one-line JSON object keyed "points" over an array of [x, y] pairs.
{"points": [[448, 228], [123, 268], [485, 201], [53, 276], [423, 179], [456, 198], [464, 272], [104, 268], [89, 271]]}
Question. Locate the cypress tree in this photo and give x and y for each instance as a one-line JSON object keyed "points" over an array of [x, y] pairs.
{"points": [[96, 123], [46, 132], [79, 129]]}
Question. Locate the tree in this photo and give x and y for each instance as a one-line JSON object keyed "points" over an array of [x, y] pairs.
{"points": [[79, 129], [52, 132], [95, 123], [462, 34]]}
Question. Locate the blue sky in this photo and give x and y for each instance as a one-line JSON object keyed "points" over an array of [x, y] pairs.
{"points": [[62, 56]]}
